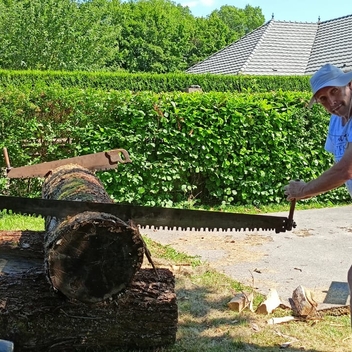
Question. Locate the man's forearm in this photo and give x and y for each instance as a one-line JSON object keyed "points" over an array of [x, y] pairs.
{"points": [[336, 176]]}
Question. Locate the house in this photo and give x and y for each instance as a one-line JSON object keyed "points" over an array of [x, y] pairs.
{"points": [[284, 48]]}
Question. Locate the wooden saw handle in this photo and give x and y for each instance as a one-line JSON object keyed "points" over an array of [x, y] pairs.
{"points": [[7, 159], [291, 223]]}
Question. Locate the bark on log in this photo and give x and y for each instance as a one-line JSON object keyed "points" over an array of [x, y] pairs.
{"points": [[91, 256], [29, 244], [37, 319]]}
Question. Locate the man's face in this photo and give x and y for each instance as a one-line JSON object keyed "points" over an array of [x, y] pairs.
{"points": [[336, 100]]}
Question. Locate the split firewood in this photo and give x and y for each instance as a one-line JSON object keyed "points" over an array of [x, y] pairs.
{"points": [[272, 301], [281, 320], [303, 302], [240, 301]]}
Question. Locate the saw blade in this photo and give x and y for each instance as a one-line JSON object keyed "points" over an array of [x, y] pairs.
{"points": [[150, 216]]}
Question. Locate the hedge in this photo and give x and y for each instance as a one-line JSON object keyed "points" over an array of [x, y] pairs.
{"points": [[153, 82], [205, 148]]}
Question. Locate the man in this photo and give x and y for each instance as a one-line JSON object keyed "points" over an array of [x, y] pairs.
{"points": [[331, 88]]}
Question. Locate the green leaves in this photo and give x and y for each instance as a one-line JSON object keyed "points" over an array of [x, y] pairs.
{"points": [[60, 35], [156, 36], [218, 148]]}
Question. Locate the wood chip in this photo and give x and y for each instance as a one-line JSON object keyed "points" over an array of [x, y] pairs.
{"points": [[272, 301], [240, 301], [304, 304], [281, 320]]}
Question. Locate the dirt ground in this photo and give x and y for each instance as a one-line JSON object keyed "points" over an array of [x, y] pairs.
{"points": [[229, 248]]}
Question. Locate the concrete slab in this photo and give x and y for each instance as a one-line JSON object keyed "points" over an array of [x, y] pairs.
{"points": [[317, 254], [338, 293]]}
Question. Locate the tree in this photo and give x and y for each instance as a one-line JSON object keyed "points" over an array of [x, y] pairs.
{"points": [[210, 35], [54, 34], [154, 36], [240, 21], [136, 35]]}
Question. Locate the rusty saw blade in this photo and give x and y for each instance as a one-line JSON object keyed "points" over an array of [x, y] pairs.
{"points": [[152, 216], [95, 162]]}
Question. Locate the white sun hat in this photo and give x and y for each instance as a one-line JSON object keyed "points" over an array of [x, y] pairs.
{"points": [[328, 76]]}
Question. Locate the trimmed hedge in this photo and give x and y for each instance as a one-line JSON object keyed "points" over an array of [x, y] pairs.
{"points": [[211, 148], [153, 82]]}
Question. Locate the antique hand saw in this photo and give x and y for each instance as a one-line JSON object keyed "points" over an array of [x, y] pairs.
{"points": [[95, 162], [152, 216]]}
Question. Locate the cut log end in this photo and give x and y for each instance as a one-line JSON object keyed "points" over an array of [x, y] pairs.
{"points": [[303, 303], [93, 256]]}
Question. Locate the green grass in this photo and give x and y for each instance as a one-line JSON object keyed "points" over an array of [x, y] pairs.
{"points": [[12, 222]]}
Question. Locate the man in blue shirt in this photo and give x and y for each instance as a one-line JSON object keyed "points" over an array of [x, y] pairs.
{"points": [[331, 88]]}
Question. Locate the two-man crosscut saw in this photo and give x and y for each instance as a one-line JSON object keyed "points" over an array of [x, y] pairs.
{"points": [[152, 216]]}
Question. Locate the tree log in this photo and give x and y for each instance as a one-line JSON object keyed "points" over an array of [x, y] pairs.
{"points": [[36, 318], [91, 256], [28, 244]]}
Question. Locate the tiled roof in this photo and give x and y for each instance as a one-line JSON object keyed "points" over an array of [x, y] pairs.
{"points": [[333, 44], [284, 48]]}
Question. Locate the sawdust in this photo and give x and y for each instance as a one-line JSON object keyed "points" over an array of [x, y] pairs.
{"points": [[304, 232], [344, 228], [223, 250]]}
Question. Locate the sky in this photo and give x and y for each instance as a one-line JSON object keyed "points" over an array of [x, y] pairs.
{"points": [[283, 10]]}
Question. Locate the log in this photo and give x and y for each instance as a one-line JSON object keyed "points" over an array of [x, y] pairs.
{"points": [[36, 318], [28, 244], [90, 256]]}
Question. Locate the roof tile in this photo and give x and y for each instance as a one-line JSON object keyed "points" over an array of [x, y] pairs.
{"points": [[284, 48]]}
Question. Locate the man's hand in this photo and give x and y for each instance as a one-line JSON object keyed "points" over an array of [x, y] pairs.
{"points": [[295, 190]]}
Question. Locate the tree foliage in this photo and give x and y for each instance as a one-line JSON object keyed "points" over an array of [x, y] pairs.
{"points": [[136, 36], [51, 34], [240, 21]]}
